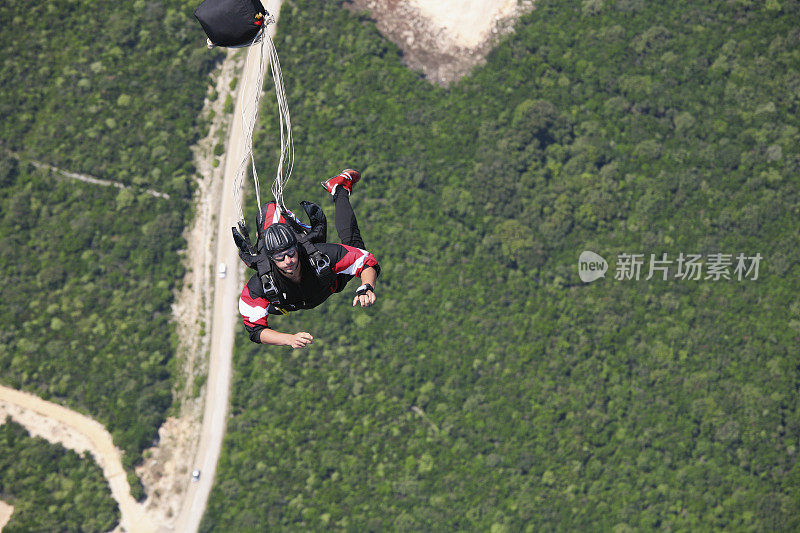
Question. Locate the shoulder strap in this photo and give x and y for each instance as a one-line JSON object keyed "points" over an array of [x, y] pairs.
{"points": [[271, 292], [264, 269], [320, 262]]}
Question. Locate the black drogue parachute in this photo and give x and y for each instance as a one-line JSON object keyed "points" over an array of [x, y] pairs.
{"points": [[231, 23]]}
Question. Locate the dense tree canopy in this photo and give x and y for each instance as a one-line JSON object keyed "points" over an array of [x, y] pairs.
{"points": [[490, 388], [105, 88]]}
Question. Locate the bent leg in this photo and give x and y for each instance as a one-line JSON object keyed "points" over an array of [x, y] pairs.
{"points": [[345, 219]]}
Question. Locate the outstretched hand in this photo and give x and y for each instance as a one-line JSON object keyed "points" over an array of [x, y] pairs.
{"points": [[366, 299], [301, 339]]}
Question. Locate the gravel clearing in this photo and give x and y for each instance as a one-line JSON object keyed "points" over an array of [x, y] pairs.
{"points": [[444, 39]]}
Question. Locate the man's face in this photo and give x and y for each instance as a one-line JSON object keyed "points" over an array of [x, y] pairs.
{"points": [[287, 261]]}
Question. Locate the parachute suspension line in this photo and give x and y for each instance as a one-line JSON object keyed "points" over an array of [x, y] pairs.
{"points": [[286, 162], [250, 107], [249, 118]]}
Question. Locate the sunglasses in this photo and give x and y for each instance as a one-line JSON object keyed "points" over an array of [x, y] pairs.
{"points": [[291, 252]]}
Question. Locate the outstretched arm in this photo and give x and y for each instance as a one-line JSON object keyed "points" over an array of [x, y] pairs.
{"points": [[254, 310], [276, 338]]}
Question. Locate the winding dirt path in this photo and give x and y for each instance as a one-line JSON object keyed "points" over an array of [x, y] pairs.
{"points": [[85, 434], [6, 511], [95, 181]]}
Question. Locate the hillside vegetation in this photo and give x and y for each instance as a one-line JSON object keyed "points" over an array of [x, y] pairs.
{"points": [[111, 90], [489, 388]]}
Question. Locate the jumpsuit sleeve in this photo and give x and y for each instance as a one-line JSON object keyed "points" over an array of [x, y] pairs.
{"points": [[253, 308], [351, 261]]}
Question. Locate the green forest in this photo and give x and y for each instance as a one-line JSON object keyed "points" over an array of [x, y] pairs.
{"points": [[51, 489], [489, 388], [113, 91]]}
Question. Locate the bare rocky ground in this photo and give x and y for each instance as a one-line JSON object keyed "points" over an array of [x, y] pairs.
{"points": [[443, 39]]}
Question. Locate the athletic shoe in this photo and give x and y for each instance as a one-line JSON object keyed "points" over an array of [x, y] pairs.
{"points": [[346, 179]]}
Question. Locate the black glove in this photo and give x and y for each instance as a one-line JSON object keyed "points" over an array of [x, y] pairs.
{"points": [[242, 238]]}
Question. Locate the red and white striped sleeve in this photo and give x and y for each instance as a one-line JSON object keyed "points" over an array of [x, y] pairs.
{"points": [[253, 309], [354, 261]]}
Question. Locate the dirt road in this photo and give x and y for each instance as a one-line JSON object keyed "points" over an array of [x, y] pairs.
{"points": [[88, 434], [5, 514]]}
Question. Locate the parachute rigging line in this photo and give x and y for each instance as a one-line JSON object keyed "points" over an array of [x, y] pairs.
{"points": [[266, 54]]}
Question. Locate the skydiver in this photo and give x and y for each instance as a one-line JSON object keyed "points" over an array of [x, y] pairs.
{"points": [[298, 286]]}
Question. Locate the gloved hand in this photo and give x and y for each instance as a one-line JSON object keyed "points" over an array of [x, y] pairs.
{"points": [[242, 238]]}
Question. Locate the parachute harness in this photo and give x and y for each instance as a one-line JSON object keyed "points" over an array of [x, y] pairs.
{"points": [[266, 54]]}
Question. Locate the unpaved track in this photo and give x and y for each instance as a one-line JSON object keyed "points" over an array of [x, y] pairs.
{"points": [[5, 514], [95, 181], [102, 448]]}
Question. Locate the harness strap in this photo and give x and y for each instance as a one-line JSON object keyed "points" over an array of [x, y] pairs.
{"points": [[256, 257], [320, 262]]}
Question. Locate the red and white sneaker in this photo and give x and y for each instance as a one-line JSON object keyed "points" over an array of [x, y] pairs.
{"points": [[346, 179]]}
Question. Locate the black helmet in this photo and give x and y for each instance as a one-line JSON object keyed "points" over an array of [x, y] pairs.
{"points": [[278, 237]]}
